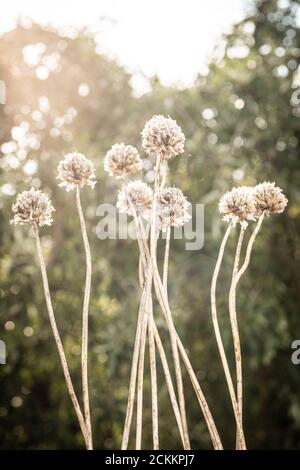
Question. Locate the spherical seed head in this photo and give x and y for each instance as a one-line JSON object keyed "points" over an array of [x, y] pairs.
{"points": [[137, 196], [172, 208], [269, 199], [162, 137], [238, 205], [122, 159], [76, 170], [32, 207]]}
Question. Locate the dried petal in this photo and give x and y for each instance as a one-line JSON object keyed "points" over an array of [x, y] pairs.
{"points": [[162, 137], [122, 159], [32, 207], [269, 199], [137, 195], [76, 170], [238, 205], [172, 208]]}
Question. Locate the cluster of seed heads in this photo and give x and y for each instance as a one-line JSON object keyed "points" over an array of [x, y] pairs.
{"points": [[248, 203], [35, 208], [163, 138]]}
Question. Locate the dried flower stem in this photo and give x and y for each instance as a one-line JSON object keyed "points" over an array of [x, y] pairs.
{"points": [[235, 333], [140, 381], [164, 304], [178, 376], [153, 373], [219, 338], [163, 301], [238, 251], [237, 274], [170, 324], [249, 249], [56, 335], [201, 398], [141, 271], [147, 276], [144, 259], [168, 378], [148, 320], [85, 319], [133, 373], [137, 365]]}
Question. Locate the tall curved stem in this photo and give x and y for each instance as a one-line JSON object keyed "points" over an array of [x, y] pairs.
{"points": [[153, 373], [170, 324], [144, 260], [163, 301], [249, 249], [57, 339], [235, 334], [236, 276], [140, 382], [219, 338], [164, 304], [85, 319], [133, 373], [137, 368], [168, 378]]}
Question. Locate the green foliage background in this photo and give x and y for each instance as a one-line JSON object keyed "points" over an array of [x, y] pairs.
{"points": [[242, 142]]}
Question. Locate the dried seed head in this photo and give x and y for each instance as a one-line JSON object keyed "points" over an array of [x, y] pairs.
{"points": [[32, 207], [172, 208], [162, 137], [237, 205], [137, 195], [76, 170], [268, 198], [122, 159]]}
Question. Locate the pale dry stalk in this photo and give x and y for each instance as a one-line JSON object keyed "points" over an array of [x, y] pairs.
{"points": [[170, 324], [249, 249], [140, 378], [235, 334], [164, 304], [153, 374], [85, 319], [170, 387], [163, 301], [146, 278], [133, 374], [59, 345], [237, 274], [219, 338], [144, 260]]}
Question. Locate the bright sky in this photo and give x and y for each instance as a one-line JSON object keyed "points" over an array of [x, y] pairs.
{"points": [[171, 38]]}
